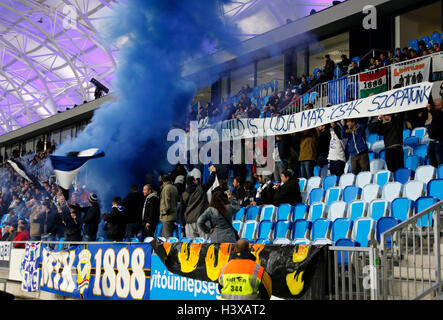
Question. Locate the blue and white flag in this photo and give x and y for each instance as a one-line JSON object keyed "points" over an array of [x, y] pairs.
{"points": [[67, 167], [21, 170]]}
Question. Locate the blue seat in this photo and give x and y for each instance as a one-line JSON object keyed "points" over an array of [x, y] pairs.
{"points": [[372, 138], [406, 133], [333, 194], [384, 224], [413, 44], [300, 211], [421, 204], [412, 162], [170, 239], [371, 155], [265, 229], [345, 254], [263, 241], [330, 181], [240, 214], [435, 188], [284, 212], [356, 209], [249, 230], [317, 170], [351, 193], [378, 208], [316, 195], [60, 244], [403, 175], [363, 231], [320, 229], [198, 240], [185, 239], [302, 183], [282, 229], [402, 208], [421, 150], [238, 224], [316, 211], [411, 141], [268, 213], [341, 228], [383, 177], [158, 229], [419, 132], [301, 229], [440, 171], [252, 213], [435, 38]]}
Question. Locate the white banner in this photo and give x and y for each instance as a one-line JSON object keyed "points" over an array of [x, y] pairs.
{"points": [[5, 249], [16, 264], [437, 63], [410, 72], [30, 263], [393, 101]]}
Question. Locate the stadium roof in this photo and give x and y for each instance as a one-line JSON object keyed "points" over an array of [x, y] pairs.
{"points": [[50, 50]]}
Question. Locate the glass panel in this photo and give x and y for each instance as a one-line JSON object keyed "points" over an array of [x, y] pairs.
{"points": [[301, 62], [242, 77], [271, 69], [334, 46]]}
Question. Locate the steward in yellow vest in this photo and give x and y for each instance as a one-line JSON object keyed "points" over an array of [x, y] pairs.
{"points": [[243, 279]]}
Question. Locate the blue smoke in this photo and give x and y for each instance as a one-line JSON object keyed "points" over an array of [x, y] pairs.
{"points": [[152, 97]]}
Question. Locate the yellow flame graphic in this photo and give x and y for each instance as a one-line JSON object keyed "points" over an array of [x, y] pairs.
{"points": [[301, 253], [189, 257], [167, 246], [295, 282], [256, 250], [212, 268]]}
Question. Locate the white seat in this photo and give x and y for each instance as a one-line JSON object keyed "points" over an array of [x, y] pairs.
{"points": [[363, 178], [313, 182], [322, 241], [281, 241], [346, 179], [370, 192], [337, 209], [392, 190], [301, 241], [414, 189], [378, 146], [377, 165], [425, 173], [348, 167]]}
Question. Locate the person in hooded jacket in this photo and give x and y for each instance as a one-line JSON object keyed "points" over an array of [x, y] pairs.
{"points": [[115, 221], [90, 218], [289, 191]]}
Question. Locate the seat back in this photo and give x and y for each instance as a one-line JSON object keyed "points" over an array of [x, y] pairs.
{"points": [[370, 192], [414, 189], [363, 178], [351, 193], [412, 162], [406, 133], [403, 175], [302, 184], [249, 230], [300, 211], [265, 229], [378, 208], [440, 171], [425, 173], [281, 241], [282, 229], [346, 179], [238, 224], [316, 195], [333, 194], [402, 208], [301, 229], [411, 141], [392, 190], [330, 181], [419, 132], [284, 212], [252, 213], [240, 214], [373, 137], [320, 229], [421, 204], [158, 229], [267, 212], [378, 146], [435, 188], [363, 231], [341, 228], [316, 211], [337, 210], [384, 224], [357, 209], [421, 150], [312, 183], [382, 177], [377, 165]]}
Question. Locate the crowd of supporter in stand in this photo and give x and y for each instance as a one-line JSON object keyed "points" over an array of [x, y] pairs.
{"points": [[181, 197], [296, 87]]}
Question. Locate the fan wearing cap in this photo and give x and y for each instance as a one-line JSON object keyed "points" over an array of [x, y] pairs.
{"points": [[90, 219]]}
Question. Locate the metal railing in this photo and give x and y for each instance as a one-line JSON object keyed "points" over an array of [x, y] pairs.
{"points": [[411, 261], [353, 273]]}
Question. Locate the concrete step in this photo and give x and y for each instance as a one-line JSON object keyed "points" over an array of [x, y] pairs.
{"points": [[412, 273], [398, 290]]}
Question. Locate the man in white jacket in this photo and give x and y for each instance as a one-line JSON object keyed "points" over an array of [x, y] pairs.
{"points": [[337, 155]]}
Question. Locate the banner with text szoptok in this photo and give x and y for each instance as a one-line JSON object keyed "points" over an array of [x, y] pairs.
{"points": [[116, 271], [30, 266], [410, 72], [372, 82], [398, 100], [297, 271]]}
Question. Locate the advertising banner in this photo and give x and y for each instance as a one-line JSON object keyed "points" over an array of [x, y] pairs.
{"points": [[116, 271], [295, 270], [168, 286], [410, 72]]}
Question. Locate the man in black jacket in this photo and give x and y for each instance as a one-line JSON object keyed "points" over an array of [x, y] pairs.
{"points": [[133, 203], [51, 220], [391, 128], [115, 221], [90, 219], [151, 211], [194, 202], [289, 192], [435, 131]]}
